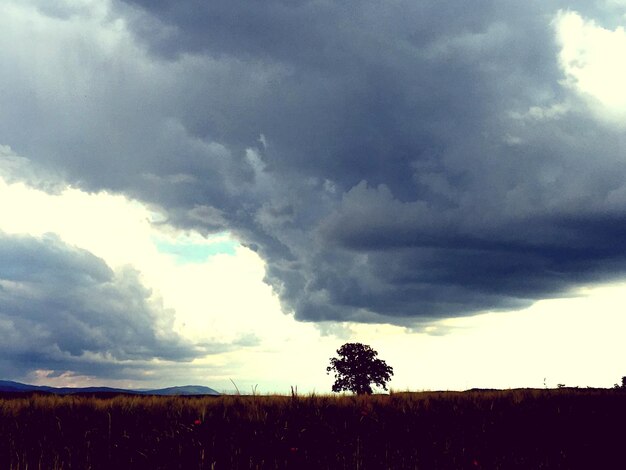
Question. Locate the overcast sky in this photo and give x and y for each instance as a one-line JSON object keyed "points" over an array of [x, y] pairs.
{"points": [[213, 191]]}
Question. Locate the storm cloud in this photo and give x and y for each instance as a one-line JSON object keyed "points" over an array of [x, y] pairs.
{"points": [[396, 162], [62, 308]]}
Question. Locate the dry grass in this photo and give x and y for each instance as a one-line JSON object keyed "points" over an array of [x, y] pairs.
{"points": [[525, 429]]}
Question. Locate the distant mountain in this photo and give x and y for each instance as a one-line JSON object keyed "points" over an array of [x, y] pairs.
{"points": [[8, 386], [16, 387]]}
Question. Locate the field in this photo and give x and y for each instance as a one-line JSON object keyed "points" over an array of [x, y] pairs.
{"points": [[515, 429]]}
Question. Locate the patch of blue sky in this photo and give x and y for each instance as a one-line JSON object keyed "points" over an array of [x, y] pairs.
{"points": [[197, 249]]}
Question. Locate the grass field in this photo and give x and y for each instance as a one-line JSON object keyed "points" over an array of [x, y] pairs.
{"points": [[516, 429]]}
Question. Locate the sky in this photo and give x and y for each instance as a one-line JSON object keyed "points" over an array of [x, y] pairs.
{"points": [[222, 192]]}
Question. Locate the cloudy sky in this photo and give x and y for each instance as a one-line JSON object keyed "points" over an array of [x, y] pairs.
{"points": [[212, 191]]}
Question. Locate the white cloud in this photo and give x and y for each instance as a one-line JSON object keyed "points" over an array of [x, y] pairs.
{"points": [[109, 226], [592, 59]]}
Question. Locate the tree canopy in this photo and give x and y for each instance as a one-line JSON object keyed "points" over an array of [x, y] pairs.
{"points": [[357, 367]]}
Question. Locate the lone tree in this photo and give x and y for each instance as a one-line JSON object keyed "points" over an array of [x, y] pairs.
{"points": [[357, 367]]}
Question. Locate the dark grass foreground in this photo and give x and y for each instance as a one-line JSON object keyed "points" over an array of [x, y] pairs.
{"points": [[517, 429]]}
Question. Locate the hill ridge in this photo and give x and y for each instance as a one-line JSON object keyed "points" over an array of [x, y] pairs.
{"points": [[18, 387]]}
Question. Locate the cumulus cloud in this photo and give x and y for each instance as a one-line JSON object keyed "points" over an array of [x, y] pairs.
{"points": [[590, 57], [395, 163], [62, 308]]}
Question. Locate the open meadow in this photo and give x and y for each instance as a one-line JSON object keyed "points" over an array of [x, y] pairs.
{"points": [[525, 429]]}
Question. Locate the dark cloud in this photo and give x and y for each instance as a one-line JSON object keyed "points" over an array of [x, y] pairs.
{"points": [[64, 309], [395, 162]]}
